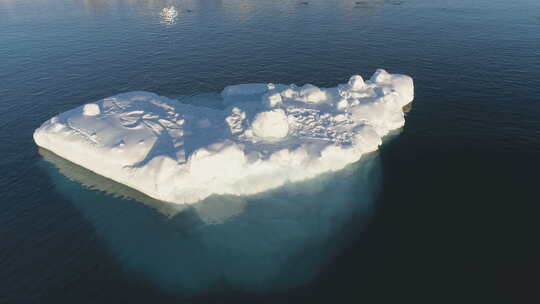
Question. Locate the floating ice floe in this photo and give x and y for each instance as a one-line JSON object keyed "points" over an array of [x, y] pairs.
{"points": [[267, 135], [267, 242]]}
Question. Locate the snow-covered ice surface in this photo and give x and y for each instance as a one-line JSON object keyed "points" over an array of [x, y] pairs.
{"points": [[266, 135]]}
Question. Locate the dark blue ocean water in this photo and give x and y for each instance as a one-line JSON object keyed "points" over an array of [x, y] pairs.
{"points": [[446, 212]]}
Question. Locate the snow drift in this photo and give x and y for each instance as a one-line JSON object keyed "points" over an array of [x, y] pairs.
{"points": [[267, 135]]}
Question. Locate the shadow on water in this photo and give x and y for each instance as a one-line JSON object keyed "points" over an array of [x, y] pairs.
{"points": [[271, 241]]}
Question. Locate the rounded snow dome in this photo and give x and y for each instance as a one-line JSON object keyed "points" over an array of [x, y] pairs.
{"points": [[271, 124], [356, 82], [91, 109]]}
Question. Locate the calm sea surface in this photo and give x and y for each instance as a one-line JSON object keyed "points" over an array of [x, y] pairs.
{"points": [[446, 212]]}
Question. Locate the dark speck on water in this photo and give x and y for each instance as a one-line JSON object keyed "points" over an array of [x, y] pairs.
{"points": [[445, 212]]}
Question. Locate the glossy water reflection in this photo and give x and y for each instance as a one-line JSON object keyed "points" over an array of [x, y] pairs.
{"points": [[168, 15]]}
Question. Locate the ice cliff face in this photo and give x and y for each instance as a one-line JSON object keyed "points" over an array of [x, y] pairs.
{"points": [[267, 135]]}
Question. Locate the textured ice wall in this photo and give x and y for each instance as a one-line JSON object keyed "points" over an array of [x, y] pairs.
{"points": [[267, 135]]}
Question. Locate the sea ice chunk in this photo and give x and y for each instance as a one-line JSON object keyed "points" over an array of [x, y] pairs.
{"points": [[267, 135], [91, 109]]}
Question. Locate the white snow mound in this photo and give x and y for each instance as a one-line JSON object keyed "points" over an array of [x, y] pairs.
{"points": [[267, 135]]}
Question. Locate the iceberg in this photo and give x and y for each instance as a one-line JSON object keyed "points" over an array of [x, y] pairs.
{"points": [[264, 243], [265, 136]]}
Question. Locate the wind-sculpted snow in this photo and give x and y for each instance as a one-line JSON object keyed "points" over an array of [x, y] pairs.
{"points": [[267, 135]]}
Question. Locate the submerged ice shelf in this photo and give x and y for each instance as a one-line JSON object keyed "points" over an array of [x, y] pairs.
{"points": [[267, 135]]}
